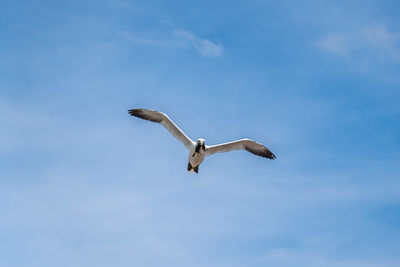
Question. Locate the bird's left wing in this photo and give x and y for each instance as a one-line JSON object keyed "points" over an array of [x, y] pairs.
{"points": [[244, 144], [156, 116]]}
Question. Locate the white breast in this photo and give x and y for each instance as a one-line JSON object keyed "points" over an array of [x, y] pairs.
{"points": [[197, 158]]}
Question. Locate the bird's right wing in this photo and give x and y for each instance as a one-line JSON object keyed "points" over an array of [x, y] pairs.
{"points": [[156, 116], [244, 144]]}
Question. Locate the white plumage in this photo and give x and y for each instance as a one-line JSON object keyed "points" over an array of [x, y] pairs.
{"points": [[199, 150]]}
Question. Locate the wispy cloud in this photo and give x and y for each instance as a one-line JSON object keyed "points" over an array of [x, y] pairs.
{"points": [[376, 40], [147, 41], [385, 42], [335, 43], [205, 47]]}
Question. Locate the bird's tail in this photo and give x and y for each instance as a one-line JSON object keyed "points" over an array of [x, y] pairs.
{"points": [[191, 169]]}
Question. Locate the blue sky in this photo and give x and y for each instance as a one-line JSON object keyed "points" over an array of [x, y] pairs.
{"points": [[84, 184]]}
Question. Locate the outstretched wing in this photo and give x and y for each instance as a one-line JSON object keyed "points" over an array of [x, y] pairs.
{"points": [[244, 144], [156, 116]]}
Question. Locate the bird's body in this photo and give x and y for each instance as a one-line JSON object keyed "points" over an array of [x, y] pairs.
{"points": [[196, 158], [199, 150]]}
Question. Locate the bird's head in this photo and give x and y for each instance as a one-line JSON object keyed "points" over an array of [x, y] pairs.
{"points": [[201, 143]]}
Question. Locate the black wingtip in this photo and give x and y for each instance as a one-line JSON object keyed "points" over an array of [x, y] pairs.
{"points": [[264, 152], [141, 113], [135, 112], [269, 155]]}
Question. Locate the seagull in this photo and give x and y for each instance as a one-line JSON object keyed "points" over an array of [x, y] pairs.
{"points": [[199, 150]]}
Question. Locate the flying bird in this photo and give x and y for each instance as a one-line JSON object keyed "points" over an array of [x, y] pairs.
{"points": [[199, 150]]}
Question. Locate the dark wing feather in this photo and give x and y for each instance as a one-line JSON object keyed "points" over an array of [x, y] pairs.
{"points": [[140, 113], [259, 150]]}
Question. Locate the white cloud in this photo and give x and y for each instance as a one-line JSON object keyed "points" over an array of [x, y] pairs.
{"points": [[205, 47], [145, 41], [376, 40], [386, 43], [335, 43]]}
